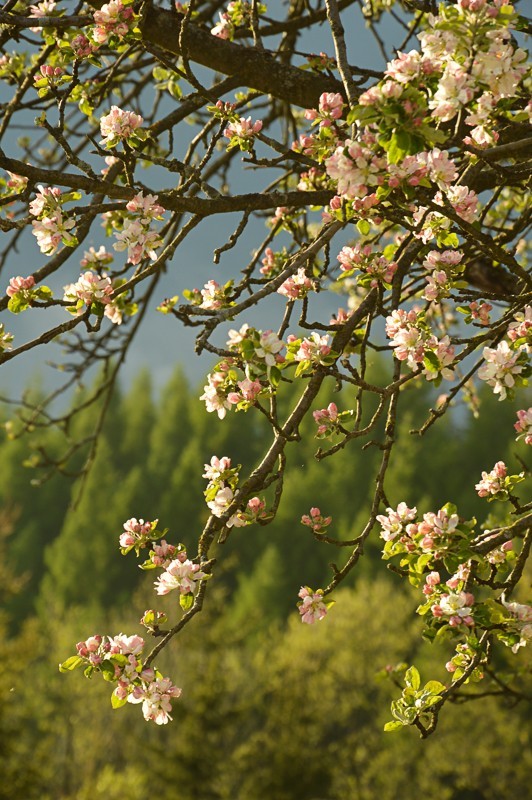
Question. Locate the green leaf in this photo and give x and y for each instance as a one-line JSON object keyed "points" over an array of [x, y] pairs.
{"points": [[118, 702], [434, 687], [186, 601], [363, 227], [393, 725], [70, 664], [412, 678]]}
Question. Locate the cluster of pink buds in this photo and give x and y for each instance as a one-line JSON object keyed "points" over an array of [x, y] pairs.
{"points": [[330, 110], [481, 312], [326, 419], [20, 285], [316, 521]]}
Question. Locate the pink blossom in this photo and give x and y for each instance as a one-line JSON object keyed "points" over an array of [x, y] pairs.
{"points": [[162, 554], [82, 47], [47, 201], [138, 239], [481, 311], [313, 348], [17, 183], [443, 350], [127, 645], [523, 426], [214, 394], [224, 29], [296, 286], [89, 288], [493, 482], [243, 129], [215, 470], [220, 504], [248, 391], [118, 125], [326, 418], [394, 523], [51, 231], [238, 336], [521, 328], [135, 532], [19, 284], [156, 697], [112, 19], [312, 608]]}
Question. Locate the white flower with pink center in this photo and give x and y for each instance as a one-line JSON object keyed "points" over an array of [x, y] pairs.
{"points": [[50, 232], [269, 348], [464, 201], [216, 468], [127, 645], [156, 698], [443, 351], [220, 504], [500, 368], [312, 607], [456, 606], [522, 327], [214, 395], [393, 523], [182, 575]]}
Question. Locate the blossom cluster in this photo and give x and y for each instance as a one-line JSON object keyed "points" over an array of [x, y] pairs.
{"points": [[119, 659], [523, 426], [312, 606], [375, 268], [120, 126], [238, 14], [241, 133], [413, 342], [51, 228], [316, 521], [258, 354], [136, 234], [112, 20], [221, 493], [497, 484]]}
